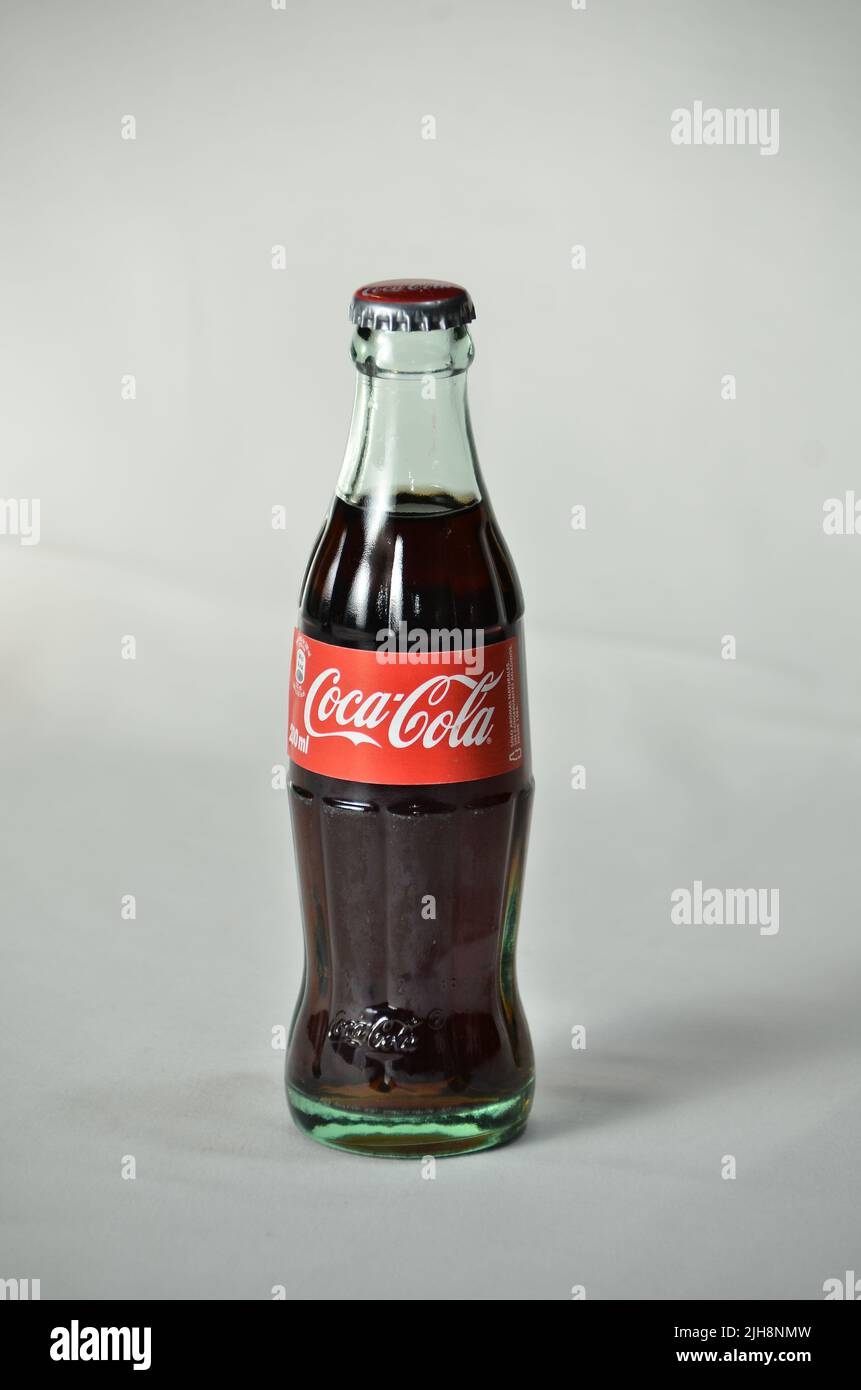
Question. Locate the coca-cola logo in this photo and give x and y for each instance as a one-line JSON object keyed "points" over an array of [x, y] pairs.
{"points": [[382, 1029], [429, 715], [426, 721]]}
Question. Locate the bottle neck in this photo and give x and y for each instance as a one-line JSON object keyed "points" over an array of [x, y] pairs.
{"points": [[411, 448]]}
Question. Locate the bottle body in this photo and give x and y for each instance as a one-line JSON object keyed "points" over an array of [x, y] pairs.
{"points": [[409, 1038]]}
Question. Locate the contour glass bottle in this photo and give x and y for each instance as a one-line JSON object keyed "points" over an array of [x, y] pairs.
{"points": [[410, 778]]}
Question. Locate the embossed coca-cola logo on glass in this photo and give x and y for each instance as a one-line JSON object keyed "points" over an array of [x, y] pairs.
{"points": [[380, 1028]]}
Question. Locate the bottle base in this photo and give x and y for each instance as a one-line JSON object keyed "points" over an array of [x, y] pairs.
{"points": [[445, 1133]]}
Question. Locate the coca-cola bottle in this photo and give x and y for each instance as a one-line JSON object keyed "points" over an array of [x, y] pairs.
{"points": [[410, 780]]}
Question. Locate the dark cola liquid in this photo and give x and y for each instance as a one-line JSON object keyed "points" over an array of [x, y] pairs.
{"points": [[401, 1013]]}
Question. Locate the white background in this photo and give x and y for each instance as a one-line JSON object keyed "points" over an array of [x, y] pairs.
{"points": [[257, 128]]}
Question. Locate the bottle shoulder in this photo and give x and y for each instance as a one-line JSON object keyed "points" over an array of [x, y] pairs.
{"points": [[371, 571]]}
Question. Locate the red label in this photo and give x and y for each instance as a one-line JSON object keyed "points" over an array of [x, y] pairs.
{"points": [[404, 718]]}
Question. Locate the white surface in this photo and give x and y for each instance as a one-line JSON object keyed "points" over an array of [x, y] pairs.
{"points": [[152, 777]]}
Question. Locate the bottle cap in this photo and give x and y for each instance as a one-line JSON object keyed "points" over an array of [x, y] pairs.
{"points": [[407, 306]]}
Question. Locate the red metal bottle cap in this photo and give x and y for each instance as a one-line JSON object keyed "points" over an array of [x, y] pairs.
{"points": [[409, 305]]}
